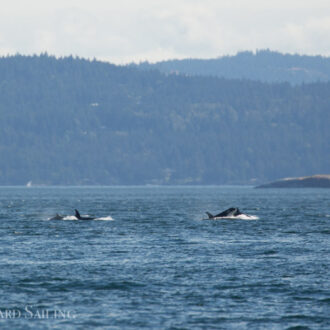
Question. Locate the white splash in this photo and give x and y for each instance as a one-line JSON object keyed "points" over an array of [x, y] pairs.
{"points": [[108, 218], [237, 217], [70, 217], [246, 217]]}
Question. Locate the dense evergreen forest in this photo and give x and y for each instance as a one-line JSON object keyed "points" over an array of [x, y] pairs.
{"points": [[264, 65], [74, 121]]}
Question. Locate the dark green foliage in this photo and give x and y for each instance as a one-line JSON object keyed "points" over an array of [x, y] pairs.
{"points": [[265, 65], [73, 121]]}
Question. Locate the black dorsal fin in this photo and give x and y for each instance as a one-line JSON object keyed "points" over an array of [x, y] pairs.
{"points": [[77, 214], [209, 215]]}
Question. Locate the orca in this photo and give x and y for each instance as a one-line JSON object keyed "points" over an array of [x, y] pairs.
{"points": [[229, 213], [57, 217], [79, 217]]}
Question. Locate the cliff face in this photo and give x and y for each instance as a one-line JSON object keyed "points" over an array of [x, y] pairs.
{"points": [[315, 181]]}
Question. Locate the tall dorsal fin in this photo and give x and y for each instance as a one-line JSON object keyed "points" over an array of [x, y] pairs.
{"points": [[77, 214]]}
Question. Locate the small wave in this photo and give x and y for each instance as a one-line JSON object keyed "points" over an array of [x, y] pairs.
{"points": [[269, 252]]}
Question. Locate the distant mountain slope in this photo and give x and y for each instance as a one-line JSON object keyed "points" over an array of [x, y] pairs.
{"points": [[315, 181], [265, 66], [72, 121]]}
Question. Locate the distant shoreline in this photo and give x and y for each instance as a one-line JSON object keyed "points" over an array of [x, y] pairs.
{"points": [[314, 181]]}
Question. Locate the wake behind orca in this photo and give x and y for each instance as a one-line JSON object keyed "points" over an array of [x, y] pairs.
{"points": [[231, 213]]}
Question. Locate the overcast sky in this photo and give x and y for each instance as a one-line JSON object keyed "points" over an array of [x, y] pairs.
{"points": [[123, 31]]}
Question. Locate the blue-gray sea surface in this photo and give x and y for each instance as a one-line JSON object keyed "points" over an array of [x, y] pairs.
{"points": [[158, 265]]}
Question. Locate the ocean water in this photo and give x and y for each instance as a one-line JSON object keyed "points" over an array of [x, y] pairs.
{"points": [[153, 263]]}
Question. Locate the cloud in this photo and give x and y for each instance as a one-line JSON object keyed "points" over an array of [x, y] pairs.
{"points": [[127, 30]]}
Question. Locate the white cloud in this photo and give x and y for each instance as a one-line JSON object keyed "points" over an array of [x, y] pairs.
{"points": [[127, 30]]}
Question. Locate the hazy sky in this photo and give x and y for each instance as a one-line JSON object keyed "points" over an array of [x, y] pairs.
{"points": [[122, 31]]}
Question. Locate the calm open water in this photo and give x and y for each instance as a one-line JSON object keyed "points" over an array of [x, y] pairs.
{"points": [[157, 265]]}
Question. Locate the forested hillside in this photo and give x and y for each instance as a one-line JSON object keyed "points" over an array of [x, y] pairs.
{"points": [[265, 65], [73, 121]]}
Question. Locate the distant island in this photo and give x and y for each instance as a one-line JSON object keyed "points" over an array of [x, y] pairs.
{"points": [[314, 181], [72, 121], [264, 65]]}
